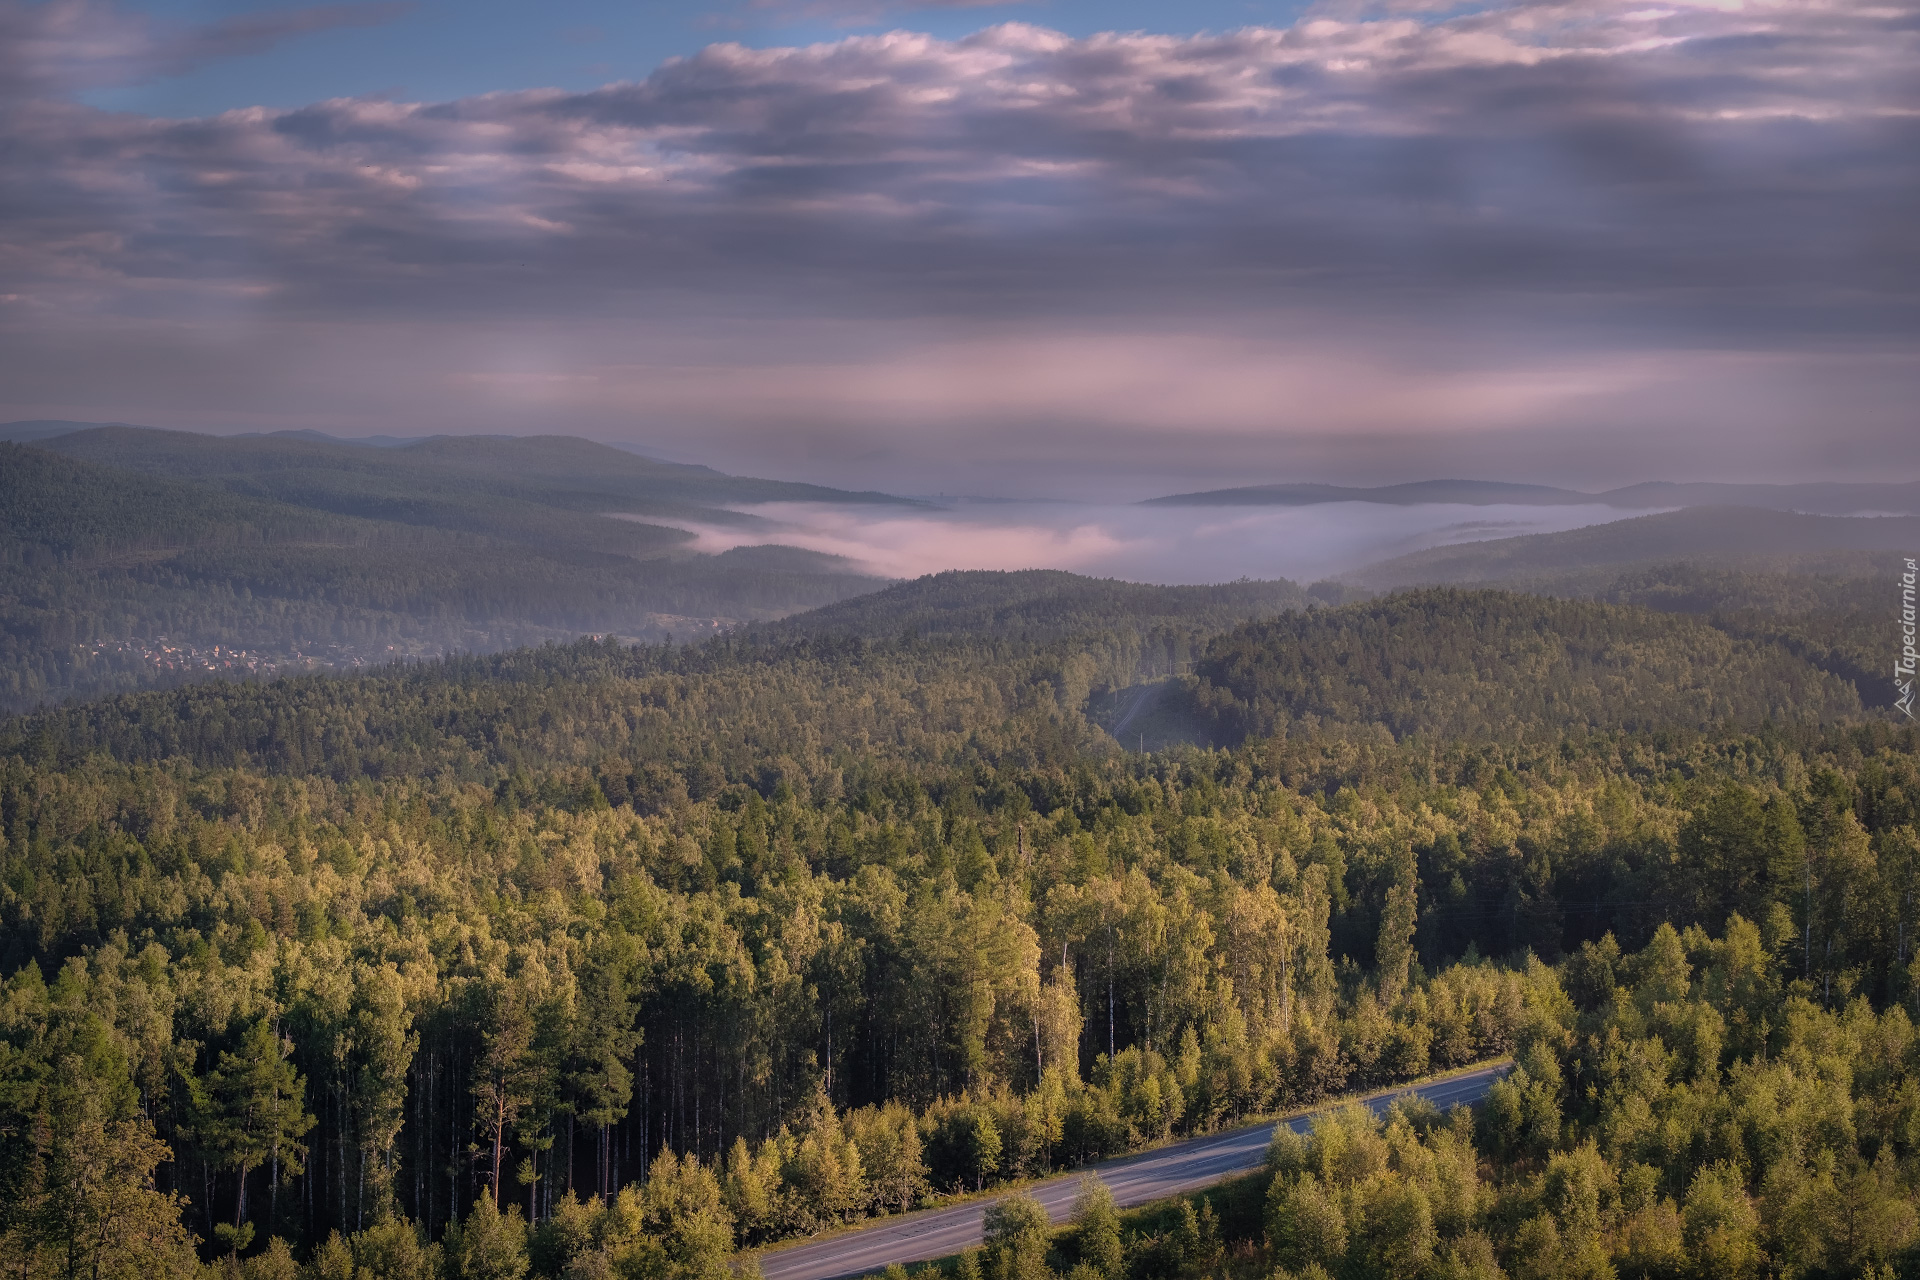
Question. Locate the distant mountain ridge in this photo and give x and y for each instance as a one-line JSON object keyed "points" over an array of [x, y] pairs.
{"points": [[131, 557], [1825, 498], [1732, 537], [36, 430], [564, 471], [164, 448], [1469, 492], [321, 437]]}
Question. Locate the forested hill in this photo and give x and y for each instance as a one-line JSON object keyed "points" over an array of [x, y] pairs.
{"points": [[255, 557], [666, 720], [1824, 498], [1043, 604], [650, 721], [595, 960], [56, 509], [1450, 664], [1580, 561], [1817, 586], [410, 481]]}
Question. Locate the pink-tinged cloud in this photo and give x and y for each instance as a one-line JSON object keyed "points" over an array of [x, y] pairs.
{"points": [[1576, 217], [64, 45], [1602, 147]]}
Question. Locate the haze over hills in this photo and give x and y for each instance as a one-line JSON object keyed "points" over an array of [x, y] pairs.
{"points": [[1823, 498], [321, 437], [562, 472], [1820, 498], [134, 557], [1725, 537], [29, 431], [137, 556]]}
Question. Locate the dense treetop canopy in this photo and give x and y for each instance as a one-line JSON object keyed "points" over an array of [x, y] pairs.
{"points": [[603, 959]]}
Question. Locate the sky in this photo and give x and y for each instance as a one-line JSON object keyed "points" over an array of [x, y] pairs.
{"points": [[1055, 249]]}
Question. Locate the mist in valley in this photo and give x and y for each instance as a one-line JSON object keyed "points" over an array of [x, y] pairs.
{"points": [[1162, 545]]}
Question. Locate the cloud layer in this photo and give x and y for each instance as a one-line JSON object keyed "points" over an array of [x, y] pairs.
{"points": [[1517, 206], [59, 46]]}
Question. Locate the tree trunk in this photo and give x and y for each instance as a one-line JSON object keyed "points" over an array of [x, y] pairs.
{"points": [[1109, 993], [1807, 948], [499, 1129]]}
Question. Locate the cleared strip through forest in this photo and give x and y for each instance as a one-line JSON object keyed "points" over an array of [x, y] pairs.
{"points": [[1134, 1180]]}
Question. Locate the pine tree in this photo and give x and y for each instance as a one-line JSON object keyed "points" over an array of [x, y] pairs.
{"points": [[384, 1044], [1394, 952], [504, 1076], [249, 1109], [605, 1033]]}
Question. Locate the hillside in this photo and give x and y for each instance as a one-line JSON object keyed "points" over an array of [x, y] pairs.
{"points": [[1042, 604], [762, 936], [1465, 492], [1441, 665], [1002, 641], [54, 508], [33, 430], [197, 566], [1819, 498], [440, 481], [1584, 560], [1452, 664], [1817, 585], [1456, 665]]}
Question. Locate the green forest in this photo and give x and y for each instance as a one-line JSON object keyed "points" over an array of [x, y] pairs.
{"points": [[609, 960]]}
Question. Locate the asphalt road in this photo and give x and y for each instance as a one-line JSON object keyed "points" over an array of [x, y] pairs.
{"points": [[1135, 1180]]}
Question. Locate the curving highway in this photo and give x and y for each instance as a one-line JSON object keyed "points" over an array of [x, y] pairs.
{"points": [[1134, 1180]]}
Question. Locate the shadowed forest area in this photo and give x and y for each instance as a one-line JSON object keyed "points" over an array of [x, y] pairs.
{"points": [[607, 960]]}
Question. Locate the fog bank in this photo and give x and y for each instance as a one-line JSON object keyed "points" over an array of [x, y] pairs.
{"points": [[1140, 544]]}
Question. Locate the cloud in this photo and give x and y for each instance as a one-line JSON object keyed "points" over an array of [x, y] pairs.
{"points": [[1592, 149], [1453, 223], [848, 13], [62, 46]]}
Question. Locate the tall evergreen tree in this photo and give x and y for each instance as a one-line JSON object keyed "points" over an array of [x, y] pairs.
{"points": [[250, 1108]]}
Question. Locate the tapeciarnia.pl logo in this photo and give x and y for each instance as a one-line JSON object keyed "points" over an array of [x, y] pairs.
{"points": [[1903, 667]]}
